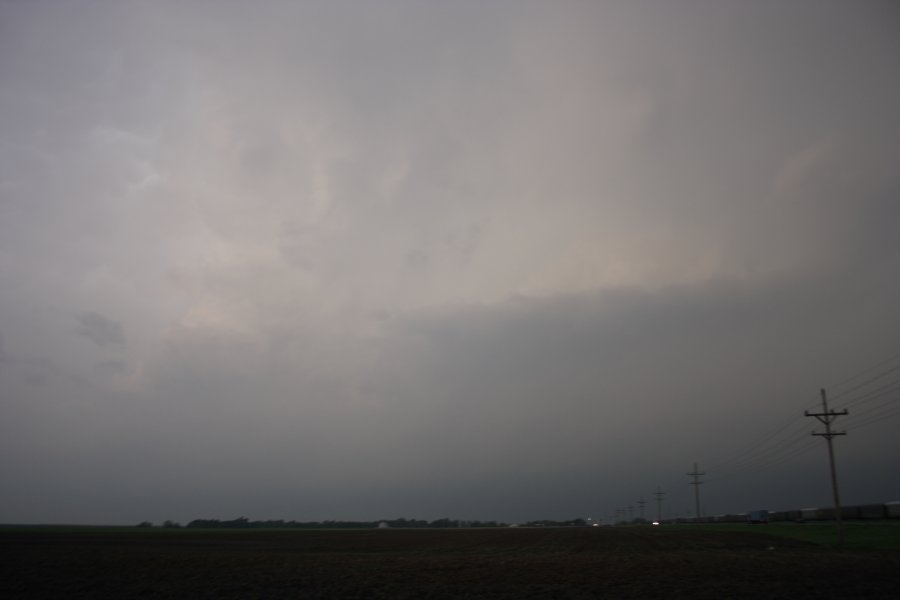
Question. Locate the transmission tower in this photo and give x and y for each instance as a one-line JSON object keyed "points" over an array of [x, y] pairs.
{"points": [[659, 498], [696, 483]]}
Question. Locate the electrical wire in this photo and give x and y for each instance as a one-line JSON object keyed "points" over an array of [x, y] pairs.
{"points": [[876, 413], [785, 442], [873, 394], [880, 418], [877, 365], [866, 382], [772, 455], [765, 440], [865, 412], [794, 450]]}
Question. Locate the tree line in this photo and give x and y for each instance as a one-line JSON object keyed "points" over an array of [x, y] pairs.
{"points": [[244, 523], [400, 523]]}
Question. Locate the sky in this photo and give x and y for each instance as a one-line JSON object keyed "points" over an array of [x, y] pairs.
{"points": [[501, 260]]}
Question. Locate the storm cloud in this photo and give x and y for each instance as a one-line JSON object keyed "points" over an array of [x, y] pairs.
{"points": [[100, 330], [507, 260]]}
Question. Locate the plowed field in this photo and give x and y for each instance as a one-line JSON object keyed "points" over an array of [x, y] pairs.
{"points": [[626, 562]]}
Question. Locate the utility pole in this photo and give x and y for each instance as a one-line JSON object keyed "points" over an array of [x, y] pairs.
{"points": [[641, 502], [827, 417], [696, 483], [659, 496], [630, 513]]}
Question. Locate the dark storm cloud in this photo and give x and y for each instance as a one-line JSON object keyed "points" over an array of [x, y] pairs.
{"points": [[515, 260]]}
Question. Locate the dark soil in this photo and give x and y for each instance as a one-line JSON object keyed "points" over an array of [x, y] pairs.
{"points": [[627, 562]]}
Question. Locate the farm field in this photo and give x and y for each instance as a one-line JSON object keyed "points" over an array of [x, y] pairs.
{"points": [[621, 562]]}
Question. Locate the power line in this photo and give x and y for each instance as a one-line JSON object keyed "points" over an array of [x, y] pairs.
{"points": [[797, 452], [766, 451], [877, 365], [800, 451], [778, 446], [887, 395], [864, 412], [784, 455], [866, 382], [785, 450], [878, 414], [880, 418], [786, 441], [776, 441], [794, 418], [877, 419], [873, 394]]}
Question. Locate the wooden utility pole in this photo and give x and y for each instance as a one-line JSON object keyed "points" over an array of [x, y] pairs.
{"points": [[659, 496], [827, 417], [641, 502], [696, 483]]}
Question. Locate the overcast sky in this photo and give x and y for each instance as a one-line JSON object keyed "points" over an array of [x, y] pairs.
{"points": [[483, 260]]}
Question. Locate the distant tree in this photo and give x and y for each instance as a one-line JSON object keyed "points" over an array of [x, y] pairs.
{"points": [[239, 523], [488, 524], [205, 523], [171, 524], [145, 524], [445, 522]]}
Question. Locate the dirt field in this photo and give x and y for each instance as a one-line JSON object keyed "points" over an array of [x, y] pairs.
{"points": [[627, 562]]}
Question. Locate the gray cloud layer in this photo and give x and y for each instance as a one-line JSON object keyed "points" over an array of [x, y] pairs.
{"points": [[100, 330], [514, 260]]}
